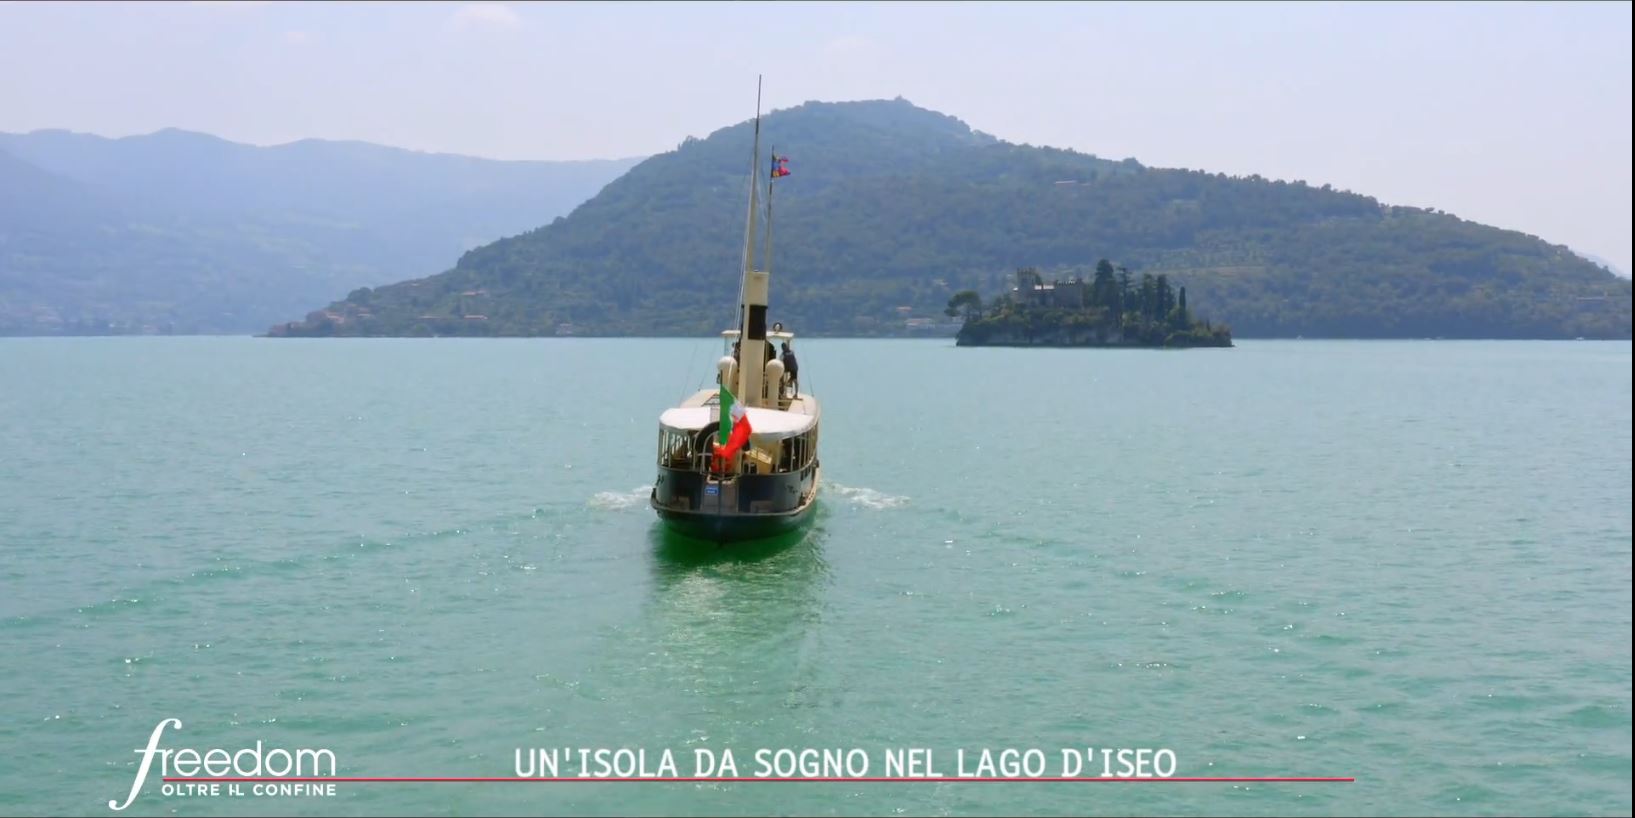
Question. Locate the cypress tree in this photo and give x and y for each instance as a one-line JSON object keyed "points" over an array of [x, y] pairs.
{"points": [[1102, 290]]}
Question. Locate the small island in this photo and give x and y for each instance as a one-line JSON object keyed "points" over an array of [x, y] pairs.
{"points": [[1110, 310]]}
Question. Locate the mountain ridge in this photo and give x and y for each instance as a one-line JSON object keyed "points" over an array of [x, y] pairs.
{"points": [[188, 232], [175, 132], [893, 207]]}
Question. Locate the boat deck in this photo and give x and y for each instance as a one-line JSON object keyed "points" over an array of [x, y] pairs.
{"points": [[801, 404]]}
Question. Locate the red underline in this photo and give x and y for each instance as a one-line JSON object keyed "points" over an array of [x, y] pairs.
{"points": [[747, 780]]}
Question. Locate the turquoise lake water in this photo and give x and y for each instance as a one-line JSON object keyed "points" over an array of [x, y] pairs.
{"points": [[1403, 562]]}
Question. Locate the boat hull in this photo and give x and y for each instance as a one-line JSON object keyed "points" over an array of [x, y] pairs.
{"points": [[746, 508], [734, 527]]}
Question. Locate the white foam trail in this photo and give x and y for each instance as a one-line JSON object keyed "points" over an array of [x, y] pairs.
{"points": [[868, 498], [620, 501]]}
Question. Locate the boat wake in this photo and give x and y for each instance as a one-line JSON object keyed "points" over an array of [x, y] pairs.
{"points": [[620, 501], [867, 498]]}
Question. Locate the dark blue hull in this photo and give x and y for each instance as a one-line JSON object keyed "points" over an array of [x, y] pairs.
{"points": [[734, 527], [747, 507]]}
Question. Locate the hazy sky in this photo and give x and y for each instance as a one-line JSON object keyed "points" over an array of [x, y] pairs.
{"points": [[1513, 114]]}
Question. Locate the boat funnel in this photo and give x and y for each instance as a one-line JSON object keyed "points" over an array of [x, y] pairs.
{"points": [[752, 338]]}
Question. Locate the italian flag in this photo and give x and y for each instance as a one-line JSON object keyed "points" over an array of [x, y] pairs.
{"points": [[729, 441]]}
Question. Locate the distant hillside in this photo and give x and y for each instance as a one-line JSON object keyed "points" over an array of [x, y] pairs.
{"points": [[1602, 262], [184, 232], [893, 208]]}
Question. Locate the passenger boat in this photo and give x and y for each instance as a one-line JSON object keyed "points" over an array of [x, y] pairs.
{"points": [[740, 460]]}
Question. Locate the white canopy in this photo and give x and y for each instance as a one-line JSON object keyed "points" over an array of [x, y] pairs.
{"points": [[762, 422]]}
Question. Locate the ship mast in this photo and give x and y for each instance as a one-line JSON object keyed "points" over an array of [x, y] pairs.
{"points": [[749, 221], [767, 253], [752, 291]]}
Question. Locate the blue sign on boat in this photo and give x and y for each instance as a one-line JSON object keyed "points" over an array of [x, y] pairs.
{"points": [[712, 490]]}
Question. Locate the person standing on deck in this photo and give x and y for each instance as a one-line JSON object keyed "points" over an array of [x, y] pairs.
{"points": [[791, 368]]}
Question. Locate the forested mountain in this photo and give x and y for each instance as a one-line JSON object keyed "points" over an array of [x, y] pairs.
{"points": [[892, 208], [184, 232]]}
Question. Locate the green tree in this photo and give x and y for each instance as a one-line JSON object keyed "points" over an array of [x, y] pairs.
{"points": [[1148, 296], [1103, 289], [967, 302]]}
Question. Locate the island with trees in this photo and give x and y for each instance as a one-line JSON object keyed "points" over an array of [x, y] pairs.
{"points": [[1112, 309]]}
